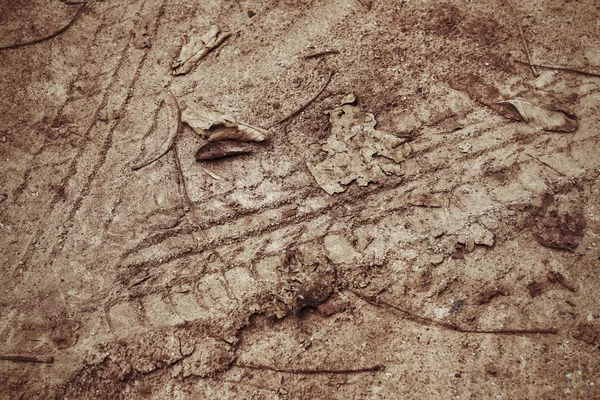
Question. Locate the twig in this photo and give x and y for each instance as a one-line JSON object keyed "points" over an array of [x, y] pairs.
{"points": [[321, 54], [40, 360], [450, 326], [180, 176], [298, 111], [52, 35], [565, 69], [316, 371], [139, 281], [161, 155], [545, 164], [514, 12]]}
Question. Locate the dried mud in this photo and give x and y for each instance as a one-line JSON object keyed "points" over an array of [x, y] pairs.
{"points": [[469, 273]]}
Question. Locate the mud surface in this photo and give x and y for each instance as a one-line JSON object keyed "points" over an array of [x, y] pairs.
{"points": [[470, 272]]}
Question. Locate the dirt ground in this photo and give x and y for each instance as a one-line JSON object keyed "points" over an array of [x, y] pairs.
{"points": [[470, 272]]}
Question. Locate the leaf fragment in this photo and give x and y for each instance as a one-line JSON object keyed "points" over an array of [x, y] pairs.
{"points": [[225, 148], [355, 151], [547, 120], [197, 48], [214, 126]]}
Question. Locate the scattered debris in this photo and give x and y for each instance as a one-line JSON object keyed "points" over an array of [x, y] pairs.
{"points": [[321, 54], [309, 102], [225, 148], [536, 288], [547, 120], [214, 126], [561, 230], [141, 35], [355, 151], [586, 333], [50, 36], [32, 359], [557, 277], [197, 48], [488, 295]]}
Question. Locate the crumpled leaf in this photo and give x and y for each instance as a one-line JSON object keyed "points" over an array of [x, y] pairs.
{"points": [[225, 148], [543, 119], [555, 227], [214, 126], [355, 150], [197, 48]]}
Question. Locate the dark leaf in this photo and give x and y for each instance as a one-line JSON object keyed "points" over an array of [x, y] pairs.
{"points": [[225, 148]]}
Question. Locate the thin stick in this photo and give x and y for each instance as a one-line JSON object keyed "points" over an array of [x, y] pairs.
{"points": [[565, 69], [298, 111], [375, 368], [177, 159], [514, 12], [321, 54], [52, 35], [450, 326], [39, 360], [545, 164], [161, 155]]}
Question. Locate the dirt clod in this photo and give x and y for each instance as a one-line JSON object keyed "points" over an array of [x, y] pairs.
{"points": [[536, 288], [555, 227], [586, 333]]}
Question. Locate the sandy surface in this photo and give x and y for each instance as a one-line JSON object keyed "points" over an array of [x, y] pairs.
{"points": [[420, 285]]}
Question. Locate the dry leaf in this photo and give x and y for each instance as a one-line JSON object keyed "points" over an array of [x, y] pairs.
{"points": [[197, 48], [546, 120], [557, 227], [214, 126], [355, 151], [225, 148], [213, 175]]}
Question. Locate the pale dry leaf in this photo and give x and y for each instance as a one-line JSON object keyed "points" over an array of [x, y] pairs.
{"points": [[197, 48], [543, 119], [214, 126], [213, 175], [355, 151]]}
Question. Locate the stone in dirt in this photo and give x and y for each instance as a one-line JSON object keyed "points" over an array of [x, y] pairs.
{"points": [[586, 333]]}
